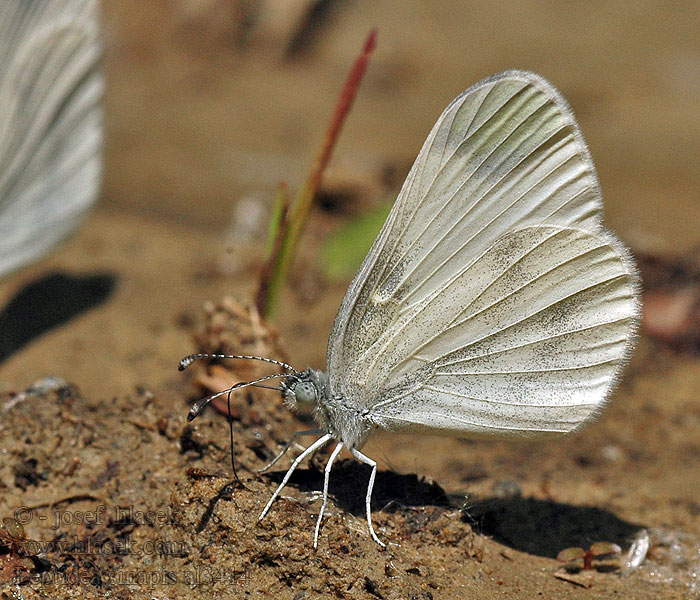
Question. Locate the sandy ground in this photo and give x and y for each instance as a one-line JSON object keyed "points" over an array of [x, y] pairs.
{"points": [[202, 113]]}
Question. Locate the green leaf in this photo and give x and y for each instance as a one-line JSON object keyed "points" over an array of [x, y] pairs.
{"points": [[343, 253]]}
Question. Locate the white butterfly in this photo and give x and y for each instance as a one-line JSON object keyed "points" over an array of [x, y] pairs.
{"points": [[50, 123], [493, 303]]}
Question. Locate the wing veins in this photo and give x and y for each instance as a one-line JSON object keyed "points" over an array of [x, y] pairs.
{"points": [[506, 209], [466, 139], [455, 323], [569, 201], [528, 371], [388, 263], [501, 402], [476, 203], [517, 322], [468, 132], [485, 426], [544, 308], [519, 346]]}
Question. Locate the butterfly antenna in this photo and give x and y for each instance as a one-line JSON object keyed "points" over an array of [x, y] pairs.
{"points": [[188, 360], [198, 406]]}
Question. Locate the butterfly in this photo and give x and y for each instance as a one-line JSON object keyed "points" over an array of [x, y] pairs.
{"points": [[51, 128], [493, 303]]}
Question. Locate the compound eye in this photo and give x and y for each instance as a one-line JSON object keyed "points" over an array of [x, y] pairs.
{"points": [[305, 392]]}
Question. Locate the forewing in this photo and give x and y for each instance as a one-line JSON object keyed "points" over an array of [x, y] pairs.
{"points": [[505, 155], [50, 123], [529, 340]]}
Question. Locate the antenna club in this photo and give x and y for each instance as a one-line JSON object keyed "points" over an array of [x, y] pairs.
{"points": [[187, 361]]}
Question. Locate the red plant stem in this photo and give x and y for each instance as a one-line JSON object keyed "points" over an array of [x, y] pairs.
{"points": [[342, 107], [274, 272]]}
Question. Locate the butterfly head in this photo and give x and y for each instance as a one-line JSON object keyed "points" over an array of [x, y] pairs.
{"points": [[303, 391]]}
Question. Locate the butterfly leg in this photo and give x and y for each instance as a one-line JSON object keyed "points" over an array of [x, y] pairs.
{"points": [[287, 446], [368, 461], [326, 479], [317, 444]]}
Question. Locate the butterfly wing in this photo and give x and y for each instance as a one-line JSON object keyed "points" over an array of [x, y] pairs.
{"points": [[538, 328], [50, 123], [495, 240]]}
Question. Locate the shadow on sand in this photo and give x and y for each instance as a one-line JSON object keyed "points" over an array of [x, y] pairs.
{"points": [[48, 302], [538, 527]]}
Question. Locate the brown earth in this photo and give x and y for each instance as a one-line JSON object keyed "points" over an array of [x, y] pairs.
{"points": [[202, 112]]}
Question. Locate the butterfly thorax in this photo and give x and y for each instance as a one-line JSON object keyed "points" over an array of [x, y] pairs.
{"points": [[309, 391]]}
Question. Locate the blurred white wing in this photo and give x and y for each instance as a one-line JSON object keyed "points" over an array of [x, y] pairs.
{"points": [[50, 123], [492, 301]]}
